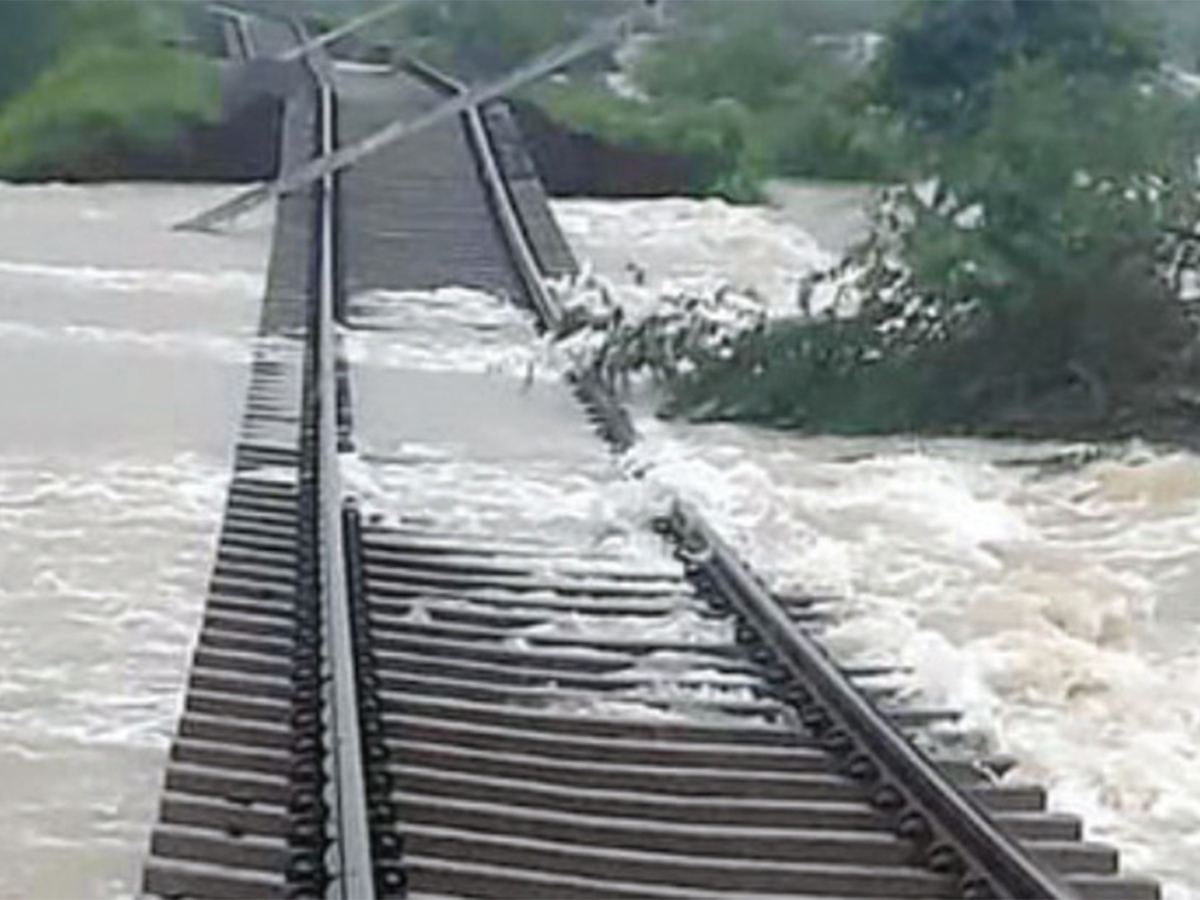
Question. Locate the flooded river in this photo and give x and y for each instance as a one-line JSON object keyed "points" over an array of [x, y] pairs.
{"points": [[123, 350], [1055, 603]]}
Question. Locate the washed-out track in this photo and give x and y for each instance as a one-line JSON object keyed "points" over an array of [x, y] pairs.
{"points": [[400, 710]]}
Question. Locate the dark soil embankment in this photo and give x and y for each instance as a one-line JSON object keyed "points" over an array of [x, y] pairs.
{"points": [[573, 163]]}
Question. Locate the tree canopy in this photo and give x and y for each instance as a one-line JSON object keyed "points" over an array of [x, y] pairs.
{"points": [[29, 34], [82, 79], [1028, 264], [943, 56]]}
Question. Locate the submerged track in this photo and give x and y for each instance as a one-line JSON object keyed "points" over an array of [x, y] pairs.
{"points": [[400, 708]]}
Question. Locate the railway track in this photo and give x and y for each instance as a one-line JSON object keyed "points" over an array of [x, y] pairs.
{"points": [[405, 708]]}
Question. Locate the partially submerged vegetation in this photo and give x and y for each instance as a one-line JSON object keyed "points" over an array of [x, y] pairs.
{"points": [[1032, 267], [85, 82], [1028, 275]]}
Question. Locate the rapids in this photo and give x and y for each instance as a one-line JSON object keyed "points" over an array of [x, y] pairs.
{"points": [[123, 350], [1049, 591]]}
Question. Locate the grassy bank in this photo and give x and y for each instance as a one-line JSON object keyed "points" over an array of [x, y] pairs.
{"points": [[104, 84], [712, 137]]}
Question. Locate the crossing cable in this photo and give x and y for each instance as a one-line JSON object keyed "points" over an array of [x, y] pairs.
{"points": [[604, 34]]}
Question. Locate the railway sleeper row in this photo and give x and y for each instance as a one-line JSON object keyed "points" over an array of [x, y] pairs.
{"points": [[512, 777], [226, 816], [240, 813]]}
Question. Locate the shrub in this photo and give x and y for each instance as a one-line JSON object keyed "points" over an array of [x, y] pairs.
{"points": [[102, 100], [108, 84], [1031, 283]]}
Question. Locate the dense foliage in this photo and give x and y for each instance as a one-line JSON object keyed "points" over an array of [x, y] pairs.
{"points": [[943, 58], [792, 76], [1026, 278], [712, 136], [84, 80]]}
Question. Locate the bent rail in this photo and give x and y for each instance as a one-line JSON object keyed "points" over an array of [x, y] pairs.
{"points": [[925, 805]]}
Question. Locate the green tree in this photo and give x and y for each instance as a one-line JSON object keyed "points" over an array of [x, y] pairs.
{"points": [[29, 37], [944, 55], [1053, 226], [106, 82]]}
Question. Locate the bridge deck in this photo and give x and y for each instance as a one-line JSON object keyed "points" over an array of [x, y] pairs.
{"points": [[560, 708]]}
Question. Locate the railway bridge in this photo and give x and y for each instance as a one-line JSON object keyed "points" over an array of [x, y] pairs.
{"points": [[428, 707]]}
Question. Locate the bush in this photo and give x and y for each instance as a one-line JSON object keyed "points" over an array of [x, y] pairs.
{"points": [[715, 63], [102, 101], [111, 88], [1069, 216], [822, 128], [1031, 284]]}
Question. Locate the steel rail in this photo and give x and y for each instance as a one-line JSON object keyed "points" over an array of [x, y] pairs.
{"points": [[993, 863], [348, 863], [548, 311]]}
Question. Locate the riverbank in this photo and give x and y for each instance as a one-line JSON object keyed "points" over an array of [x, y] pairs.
{"points": [[126, 91], [675, 309], [161, 116], [1046, 589]]}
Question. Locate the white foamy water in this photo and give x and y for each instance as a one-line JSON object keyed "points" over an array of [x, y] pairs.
{"points": [[646, 246], [463, 425], [1056, 605], [466, 432], [452, 329], [122, 363]]}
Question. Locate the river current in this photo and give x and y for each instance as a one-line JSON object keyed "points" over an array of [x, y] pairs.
{"points": [[123, 355], [1050, 591], [1054, 601]]}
